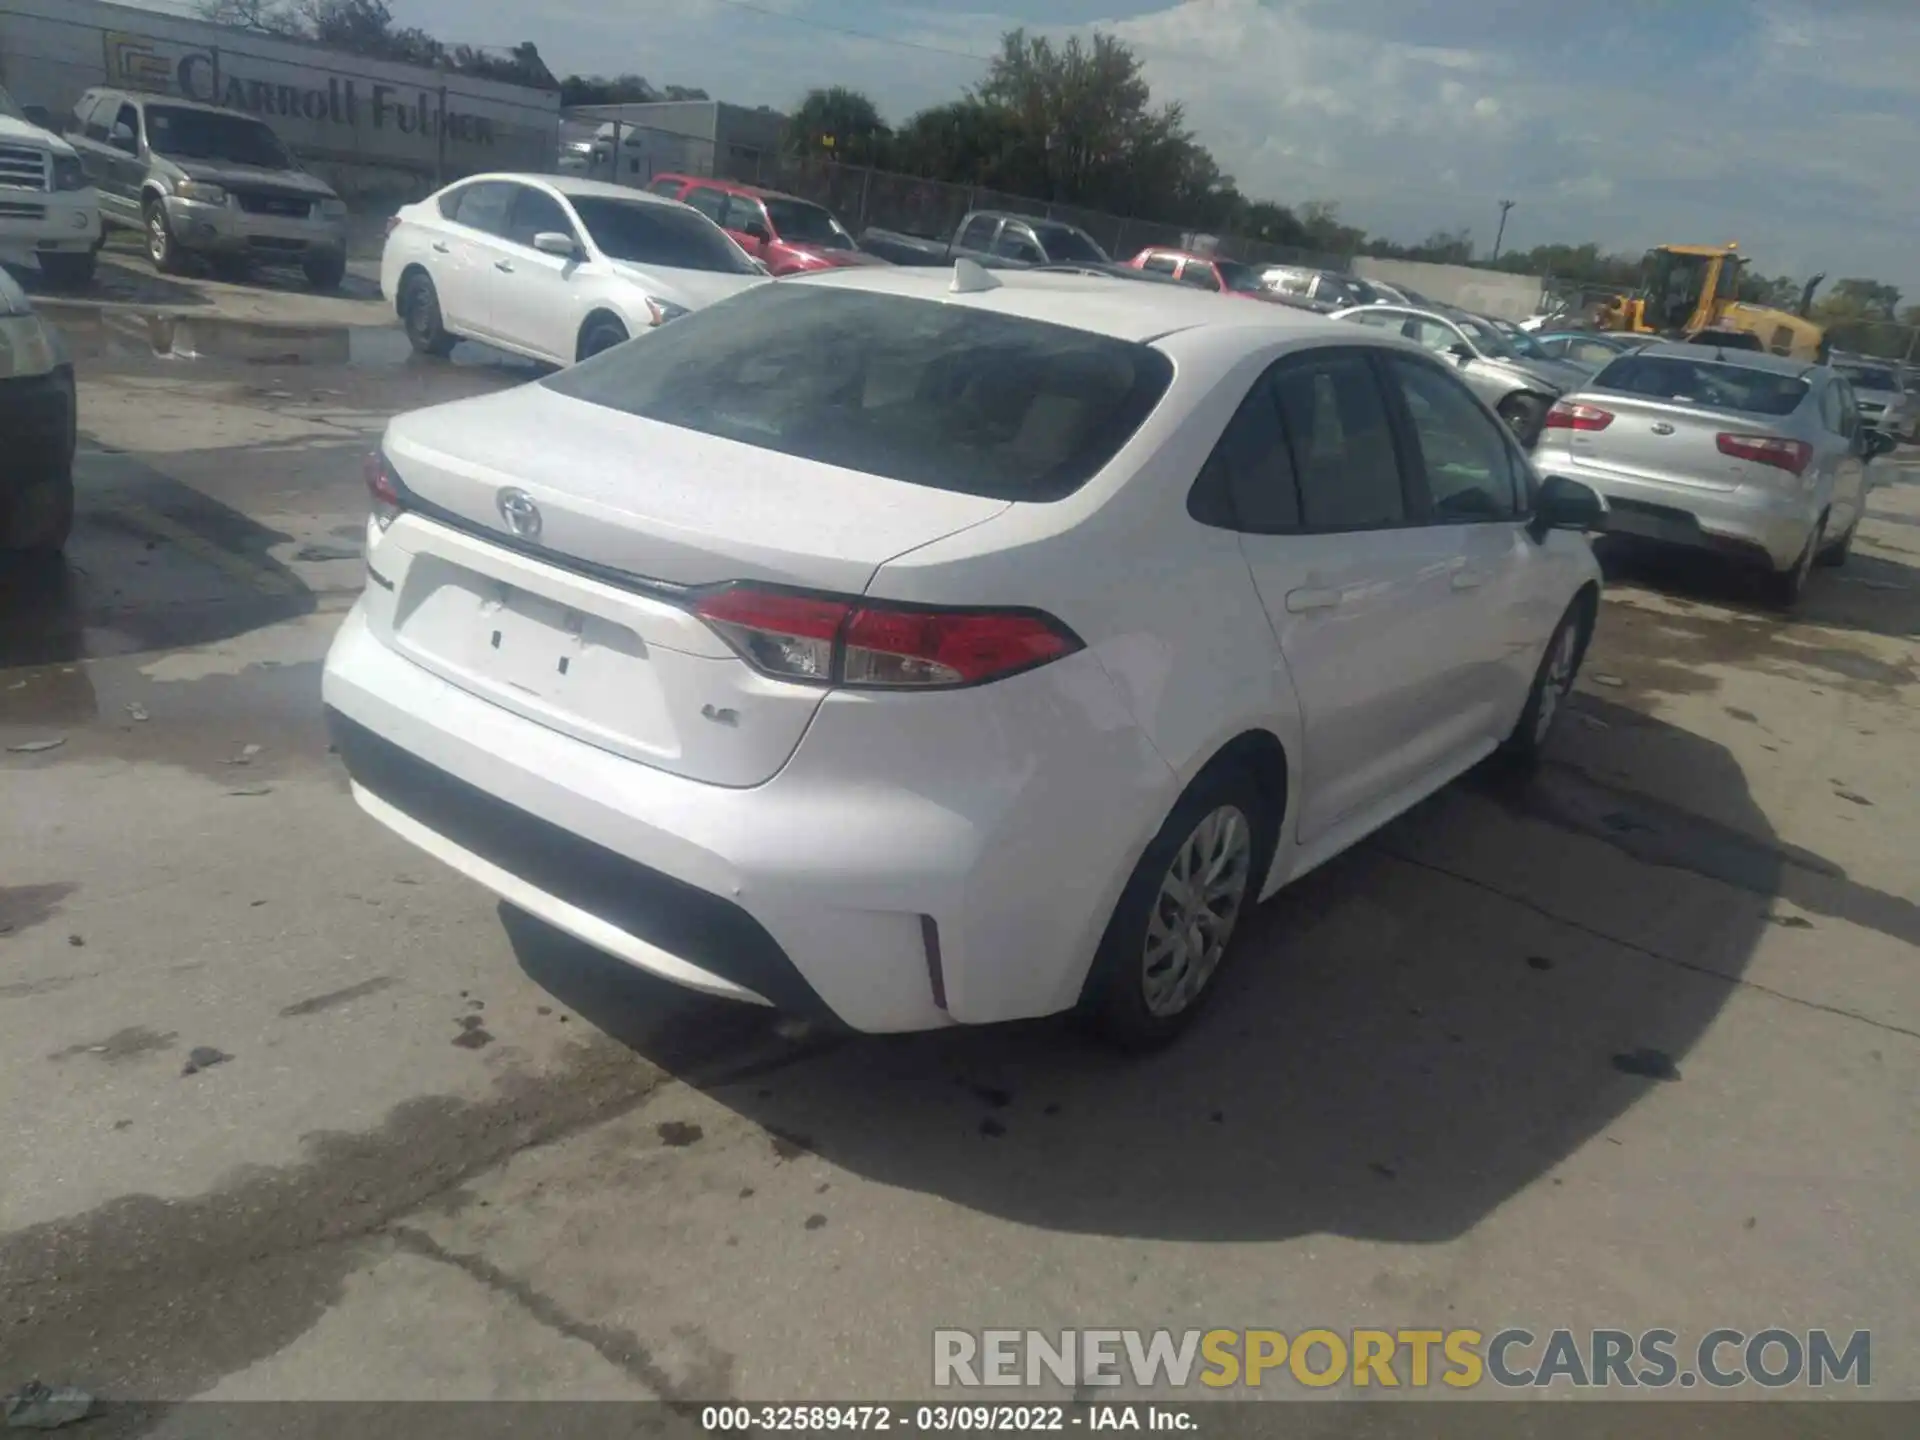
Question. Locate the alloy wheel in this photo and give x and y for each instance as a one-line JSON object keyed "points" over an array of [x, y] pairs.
{"points": [[1194, 915]]}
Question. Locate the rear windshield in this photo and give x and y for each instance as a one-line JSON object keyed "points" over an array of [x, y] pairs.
{"points": [[933, 394], [1063, 242], [808, 224], [652, 234], [1703, 382], [1870, 377]]}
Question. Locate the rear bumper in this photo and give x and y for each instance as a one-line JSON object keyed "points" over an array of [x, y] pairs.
{"points": [[894, 877], [1748, 522]]}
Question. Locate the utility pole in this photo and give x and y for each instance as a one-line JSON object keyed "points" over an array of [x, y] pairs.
{"points": [[1501, 233]]}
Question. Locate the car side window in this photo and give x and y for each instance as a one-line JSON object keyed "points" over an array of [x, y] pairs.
{"points": [[533, 212], [979, 233], [708, 201], [1160, 264], [669, 188], [1016, 242], [1464, 452], [129, 116], [1341, 443], [1247, 483], [742, 211], [1376, 322], [90, 118], [483, 206], [1199, 274], [1849, 406], [1434, 335]]}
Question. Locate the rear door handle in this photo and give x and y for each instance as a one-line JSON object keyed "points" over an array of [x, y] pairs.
{"points": [[1467, 580], [440, 247], [506, 265], [1299, 602]]}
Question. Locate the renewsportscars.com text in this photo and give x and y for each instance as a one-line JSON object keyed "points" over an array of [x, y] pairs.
{"points": [[1461, 1359]]}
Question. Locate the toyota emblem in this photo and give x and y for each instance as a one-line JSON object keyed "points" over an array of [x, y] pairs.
{"points": [[518, 510]]}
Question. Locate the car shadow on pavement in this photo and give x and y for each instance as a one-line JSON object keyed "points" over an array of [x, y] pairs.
{"points": [[1409, 1037], [115, 284]]}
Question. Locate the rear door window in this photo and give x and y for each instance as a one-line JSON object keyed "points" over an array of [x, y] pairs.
{"points": [[708, 201], [1199, 274], [1341, 443], [978, 234], [1160, 264], [947, 396], [1016, 242], [669, 188], [483, 206], [743, 211]]}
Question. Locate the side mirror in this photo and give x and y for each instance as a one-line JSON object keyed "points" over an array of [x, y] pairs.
{"points": [[1878, 443], [1567, 505], [552, 242], [121, 138], [1459, 351], [38, 115], [757, 231]]}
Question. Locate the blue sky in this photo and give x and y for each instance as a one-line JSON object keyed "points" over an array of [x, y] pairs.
{"points": [[1791, 126]]}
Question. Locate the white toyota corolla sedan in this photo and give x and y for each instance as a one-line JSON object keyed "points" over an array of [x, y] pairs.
{"points": [[916, 647], [552, 266]]}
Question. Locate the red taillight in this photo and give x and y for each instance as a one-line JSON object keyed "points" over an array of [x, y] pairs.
{"points": [[869, 645], [1568, 415], [384, 489], [1792, 456]]}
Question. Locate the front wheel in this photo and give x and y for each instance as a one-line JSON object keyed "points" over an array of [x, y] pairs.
{"points": [[601, 333], [420, 313], [325, 272], [1552, 683], [162, 248], [1180, 912]]}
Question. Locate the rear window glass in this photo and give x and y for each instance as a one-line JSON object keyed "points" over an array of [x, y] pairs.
{"points": [[1704, 382], [933, 394]]}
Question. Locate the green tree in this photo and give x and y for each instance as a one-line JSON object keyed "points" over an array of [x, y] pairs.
{"points": [[962, 141], [365, 27], [840, 123], [521, 65], [1862, 299]]}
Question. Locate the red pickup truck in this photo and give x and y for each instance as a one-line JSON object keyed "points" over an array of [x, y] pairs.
{"points": [[785, 233]]}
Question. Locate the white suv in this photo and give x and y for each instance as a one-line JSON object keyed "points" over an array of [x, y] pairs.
{"points": [[915, 647], [47, 204]]}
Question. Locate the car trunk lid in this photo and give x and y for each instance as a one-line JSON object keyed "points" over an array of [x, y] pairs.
{"points": [[579, 619], [1665, 442]]}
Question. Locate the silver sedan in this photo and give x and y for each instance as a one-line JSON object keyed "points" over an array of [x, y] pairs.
{"points": [[1750, 454]]}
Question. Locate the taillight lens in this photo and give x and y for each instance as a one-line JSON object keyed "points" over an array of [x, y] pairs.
{"points": [[875, 646], [1568, 415], [384, 490], [1792, 456]]}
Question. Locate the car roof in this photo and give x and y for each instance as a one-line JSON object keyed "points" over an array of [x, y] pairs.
{"points": [[571, 186], [1101, 304], [1750, 359], [730, 187], [172, 102]]}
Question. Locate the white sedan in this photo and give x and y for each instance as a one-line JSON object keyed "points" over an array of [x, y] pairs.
{"points": [[916, 647], [552, 267]]}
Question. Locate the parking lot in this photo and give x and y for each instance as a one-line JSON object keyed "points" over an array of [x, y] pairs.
{"points": [[296, 1113]]}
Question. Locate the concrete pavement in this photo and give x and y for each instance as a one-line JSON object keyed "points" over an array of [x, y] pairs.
{"points": [[296, 1114]]}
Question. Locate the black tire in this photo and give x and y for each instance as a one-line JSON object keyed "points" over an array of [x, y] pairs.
{"points": [[162, 249], [420, 312], [325, 272], [1836, 554], [601, 332], [36, 516], [1784, 587], [1524, 414], [1127, 1000], [70, 269], [1552, 684]]}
